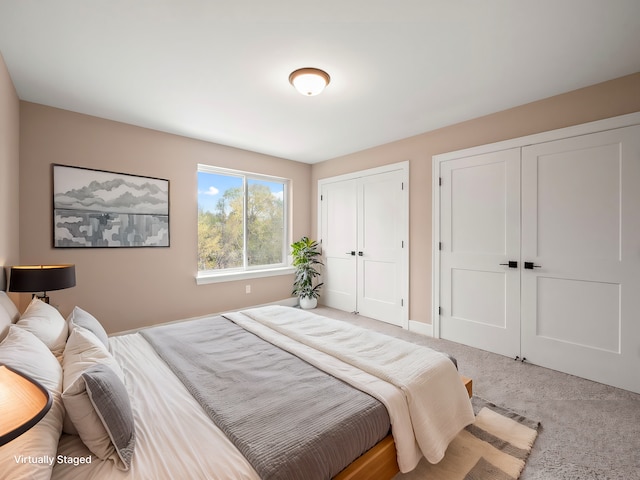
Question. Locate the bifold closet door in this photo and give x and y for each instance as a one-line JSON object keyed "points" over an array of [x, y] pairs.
{"points": [[480, 236], [581, 233], [363, 241], [380, 246], [339, 244]]}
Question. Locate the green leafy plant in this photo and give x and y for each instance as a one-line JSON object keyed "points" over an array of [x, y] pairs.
{"points": [[305, 255]]}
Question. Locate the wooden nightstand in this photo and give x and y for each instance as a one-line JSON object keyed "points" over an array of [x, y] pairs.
{"points": [[468, 383]]}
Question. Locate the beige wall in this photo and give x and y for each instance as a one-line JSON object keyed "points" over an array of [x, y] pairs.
{"points": [[9, 171], [131, 287], [128, 288], [609, 99]]}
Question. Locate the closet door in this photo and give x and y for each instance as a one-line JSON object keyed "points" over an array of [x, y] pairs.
{"points": [[480, 235], [381, 218], [581, 232], [339, 230], [364, 229]]}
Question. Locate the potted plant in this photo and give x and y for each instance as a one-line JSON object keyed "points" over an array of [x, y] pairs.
{"points": [[305, 255]]}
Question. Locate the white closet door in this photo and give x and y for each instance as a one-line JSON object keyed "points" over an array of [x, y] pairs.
{"points": [[339, 244], [364, 229], [480, 231], [380, 246], [581, 230]]}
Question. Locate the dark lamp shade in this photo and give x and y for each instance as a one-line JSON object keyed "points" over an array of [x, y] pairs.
{"points": [[42, 278], [23, 403]]}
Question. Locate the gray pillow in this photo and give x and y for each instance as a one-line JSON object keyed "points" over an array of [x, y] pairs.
{"points": [[110, 400], [85, 320]]}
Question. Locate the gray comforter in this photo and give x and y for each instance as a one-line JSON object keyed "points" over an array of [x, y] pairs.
{"points": [[289, 419]]}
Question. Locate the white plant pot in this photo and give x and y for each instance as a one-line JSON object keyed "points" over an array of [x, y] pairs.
{"points": [[307, 303]]}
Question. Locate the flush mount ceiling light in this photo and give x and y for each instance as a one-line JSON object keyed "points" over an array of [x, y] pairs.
{"points": [[309, 81]]}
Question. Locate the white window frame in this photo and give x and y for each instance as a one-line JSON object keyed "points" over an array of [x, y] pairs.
{"points": [[246, 271]]}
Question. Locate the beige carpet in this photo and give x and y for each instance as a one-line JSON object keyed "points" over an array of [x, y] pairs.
{"points": [[495, 447]]}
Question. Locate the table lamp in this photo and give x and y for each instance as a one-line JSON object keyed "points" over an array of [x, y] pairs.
{"points": [[42, 278]]}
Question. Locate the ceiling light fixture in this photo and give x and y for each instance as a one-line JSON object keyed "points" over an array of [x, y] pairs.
{"points": [[309, 81]]}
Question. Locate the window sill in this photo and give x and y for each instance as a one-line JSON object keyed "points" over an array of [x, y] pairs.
{"points": [[205, 278]]}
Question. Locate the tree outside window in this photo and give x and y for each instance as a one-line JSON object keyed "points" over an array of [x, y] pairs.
{"points": [[241, 220]]}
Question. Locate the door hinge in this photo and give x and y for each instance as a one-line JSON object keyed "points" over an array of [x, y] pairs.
{"points": [[439, 245], [402, 244], [440, 181], [402, 302], [402, 186], [321, 197], [439, 310]]}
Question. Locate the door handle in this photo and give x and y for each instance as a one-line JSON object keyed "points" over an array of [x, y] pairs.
{"points": [[361, 254], [531, 266], [352, 252], [511, 264]]}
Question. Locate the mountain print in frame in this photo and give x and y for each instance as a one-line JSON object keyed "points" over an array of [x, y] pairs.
{"points": [[97, 208]]}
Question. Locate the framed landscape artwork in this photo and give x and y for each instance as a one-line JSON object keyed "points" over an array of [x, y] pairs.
{"points": [[96, 208]]}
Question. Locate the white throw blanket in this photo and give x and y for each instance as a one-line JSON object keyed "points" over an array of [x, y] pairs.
{"points": [[437, 401]]}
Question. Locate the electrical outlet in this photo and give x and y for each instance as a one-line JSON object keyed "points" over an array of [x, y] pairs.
{"points": [[247, 289]]}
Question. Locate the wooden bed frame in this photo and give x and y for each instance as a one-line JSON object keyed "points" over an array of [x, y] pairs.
{"points": [[380, 462]]}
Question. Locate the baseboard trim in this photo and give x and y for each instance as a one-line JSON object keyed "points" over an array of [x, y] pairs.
{"points": [[421, 328], [285, 302]]}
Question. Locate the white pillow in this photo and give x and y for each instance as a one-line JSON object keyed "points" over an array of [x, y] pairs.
{"points": [[84, 319], [83, 351], [5, 323], [46, 323], [25, 352], [22, 351], [9, 306]]}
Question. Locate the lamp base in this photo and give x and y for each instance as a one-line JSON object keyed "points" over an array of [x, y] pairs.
{"points": [[44, 298]]}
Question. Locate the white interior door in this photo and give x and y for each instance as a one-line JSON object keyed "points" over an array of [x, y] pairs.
{"points": [[381, 217], [480, 235], [581, 230], [339, 244], [364, 229]]}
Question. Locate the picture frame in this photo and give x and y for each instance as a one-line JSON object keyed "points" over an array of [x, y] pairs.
{"points": [[103, 209]]}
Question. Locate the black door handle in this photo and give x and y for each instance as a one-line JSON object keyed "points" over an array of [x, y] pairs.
{"points": [[361, 254], [531, 266], [511, 264], [352, 252]]}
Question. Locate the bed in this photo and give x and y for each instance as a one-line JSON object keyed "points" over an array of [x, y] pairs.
{"points": [[173, 433]]}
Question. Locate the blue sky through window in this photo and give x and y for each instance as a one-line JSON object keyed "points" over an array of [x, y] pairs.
{"points": [[211, 187]]}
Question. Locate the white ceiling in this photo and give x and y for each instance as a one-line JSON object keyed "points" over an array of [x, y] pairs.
{"points": [[218, 70]]}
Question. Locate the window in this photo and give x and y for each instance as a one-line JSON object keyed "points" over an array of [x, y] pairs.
{"points": [[242, 220]]}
